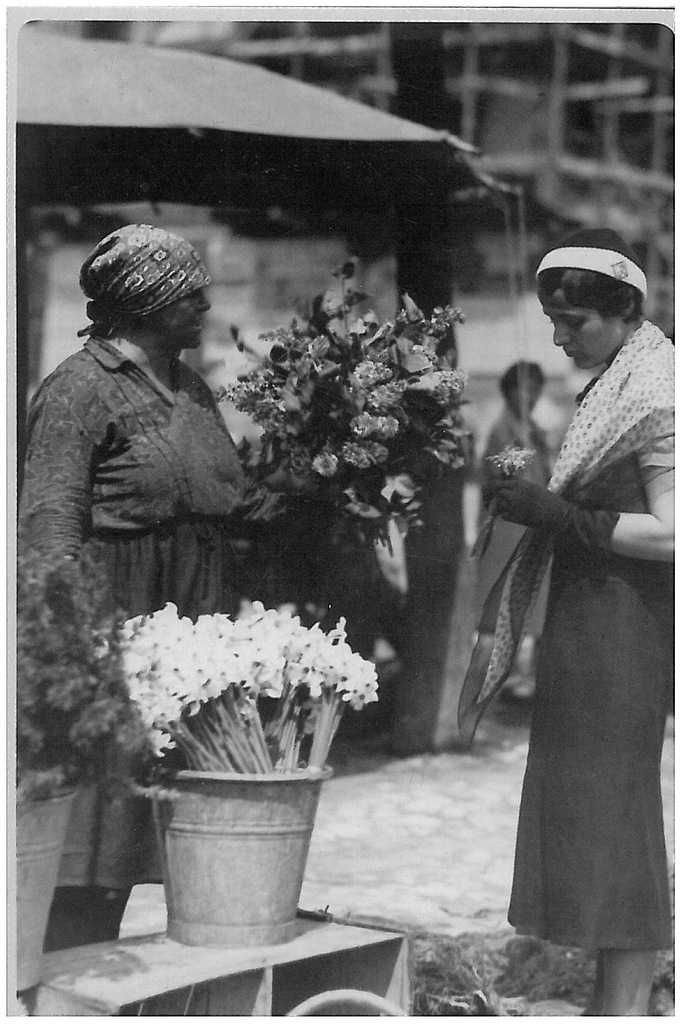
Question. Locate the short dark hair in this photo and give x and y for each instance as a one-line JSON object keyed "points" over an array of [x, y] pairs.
{"points": [[518, 372], [592, 290]]}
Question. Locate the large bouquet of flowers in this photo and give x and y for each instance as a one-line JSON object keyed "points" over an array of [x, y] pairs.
{"points": [[364, 409], [258, 693]]}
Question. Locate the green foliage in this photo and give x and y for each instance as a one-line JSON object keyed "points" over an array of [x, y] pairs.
{"points": [[455, 977], [663, 987], [71, 694], [540, 970], [484, 975]]}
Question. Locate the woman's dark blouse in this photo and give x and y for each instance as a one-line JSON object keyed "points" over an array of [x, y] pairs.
{"points": [[110, 450]]}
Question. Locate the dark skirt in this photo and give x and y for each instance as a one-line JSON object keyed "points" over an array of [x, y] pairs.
{"points": [[202, 569], [591, 865], [195, 564]]}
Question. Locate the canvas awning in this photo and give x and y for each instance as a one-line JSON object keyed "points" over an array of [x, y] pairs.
{"points": [[66, 80], [110, 121]]}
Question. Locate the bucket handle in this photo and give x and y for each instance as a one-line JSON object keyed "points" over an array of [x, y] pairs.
{"points": [[349, 1002]]}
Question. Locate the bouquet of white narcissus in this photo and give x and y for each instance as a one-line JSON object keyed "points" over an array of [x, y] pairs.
{"points": [[365, 410], [258, 693]]}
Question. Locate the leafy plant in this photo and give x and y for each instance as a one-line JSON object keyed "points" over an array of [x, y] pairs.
{"points": [[71, 693], [366, 410]]}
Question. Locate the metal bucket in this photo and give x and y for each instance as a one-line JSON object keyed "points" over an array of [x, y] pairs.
{"points": [[41, 828], [234, 853]]}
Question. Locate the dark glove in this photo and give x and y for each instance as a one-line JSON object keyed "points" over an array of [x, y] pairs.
{"points": [[520, 501]]}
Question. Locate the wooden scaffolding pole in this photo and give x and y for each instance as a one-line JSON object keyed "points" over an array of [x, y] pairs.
{"points": [[612, 46], [660, 123], [469, 87], [556, 112], [384, 72]]}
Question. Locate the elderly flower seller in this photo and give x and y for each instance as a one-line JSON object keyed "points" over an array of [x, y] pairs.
{"points": [[591, 865], [129, 459]]}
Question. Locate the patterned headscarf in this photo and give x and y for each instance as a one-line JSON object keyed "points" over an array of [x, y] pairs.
{"points": [[630, 406], [136, 270]]}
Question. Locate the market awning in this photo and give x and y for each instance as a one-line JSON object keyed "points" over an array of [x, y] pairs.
{"points": [[66, 80], [101, 120]]}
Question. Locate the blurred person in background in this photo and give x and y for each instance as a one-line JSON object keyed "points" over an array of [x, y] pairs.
{"points": [[129, 459], [521, 386], [591, 864]]}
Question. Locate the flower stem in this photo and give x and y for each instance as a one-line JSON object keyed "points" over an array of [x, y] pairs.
{"points": [[230, 741], [290, 747], [197, 756], [233, 735], [253, 733], [214, 739], [237, 729], [257, 727], [331, 711]]}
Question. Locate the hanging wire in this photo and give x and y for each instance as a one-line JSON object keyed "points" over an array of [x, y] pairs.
{"points": [[523, 243], [522, 280], [513, 246]]}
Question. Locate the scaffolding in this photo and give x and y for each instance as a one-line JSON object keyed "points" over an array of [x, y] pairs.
{"points": [[581, 115], [598, 97]]}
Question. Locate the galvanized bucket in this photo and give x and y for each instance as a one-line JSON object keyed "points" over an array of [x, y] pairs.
{"points": [[234, 851], [41, 828]]}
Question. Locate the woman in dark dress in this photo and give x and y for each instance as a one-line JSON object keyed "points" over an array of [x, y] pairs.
{"points": [[129, 460], [591, 866]]}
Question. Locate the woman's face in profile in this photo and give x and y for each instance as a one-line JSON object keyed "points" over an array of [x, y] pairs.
{"points": [[587, 337], [181, 323]]}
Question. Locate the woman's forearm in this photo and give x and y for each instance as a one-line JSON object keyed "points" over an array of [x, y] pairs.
{"points": [[650, 534], [643, 535]]}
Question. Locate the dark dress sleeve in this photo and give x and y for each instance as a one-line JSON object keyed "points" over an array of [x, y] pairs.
{"points": [[258, 504], [54, 514]]}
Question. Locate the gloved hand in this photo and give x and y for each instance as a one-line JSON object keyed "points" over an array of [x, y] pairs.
{"points": [[520, 501]]}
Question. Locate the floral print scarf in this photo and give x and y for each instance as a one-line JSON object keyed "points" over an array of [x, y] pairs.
{"points": [[628, 407]]}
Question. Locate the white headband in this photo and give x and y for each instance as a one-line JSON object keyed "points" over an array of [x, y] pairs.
{"points": [[604, 261]]}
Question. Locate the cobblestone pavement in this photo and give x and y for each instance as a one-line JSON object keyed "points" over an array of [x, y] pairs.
{"points": [[423, 842]]}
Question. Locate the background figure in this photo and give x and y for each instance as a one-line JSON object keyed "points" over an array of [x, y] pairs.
{"points": [[130, 462], [521, 386]]}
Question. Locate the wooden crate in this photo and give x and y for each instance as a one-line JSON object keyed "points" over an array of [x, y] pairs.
{"points": [[153, 976]]}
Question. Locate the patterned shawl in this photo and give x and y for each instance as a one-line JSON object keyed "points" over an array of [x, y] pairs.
{"points": [[628, 407]]}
